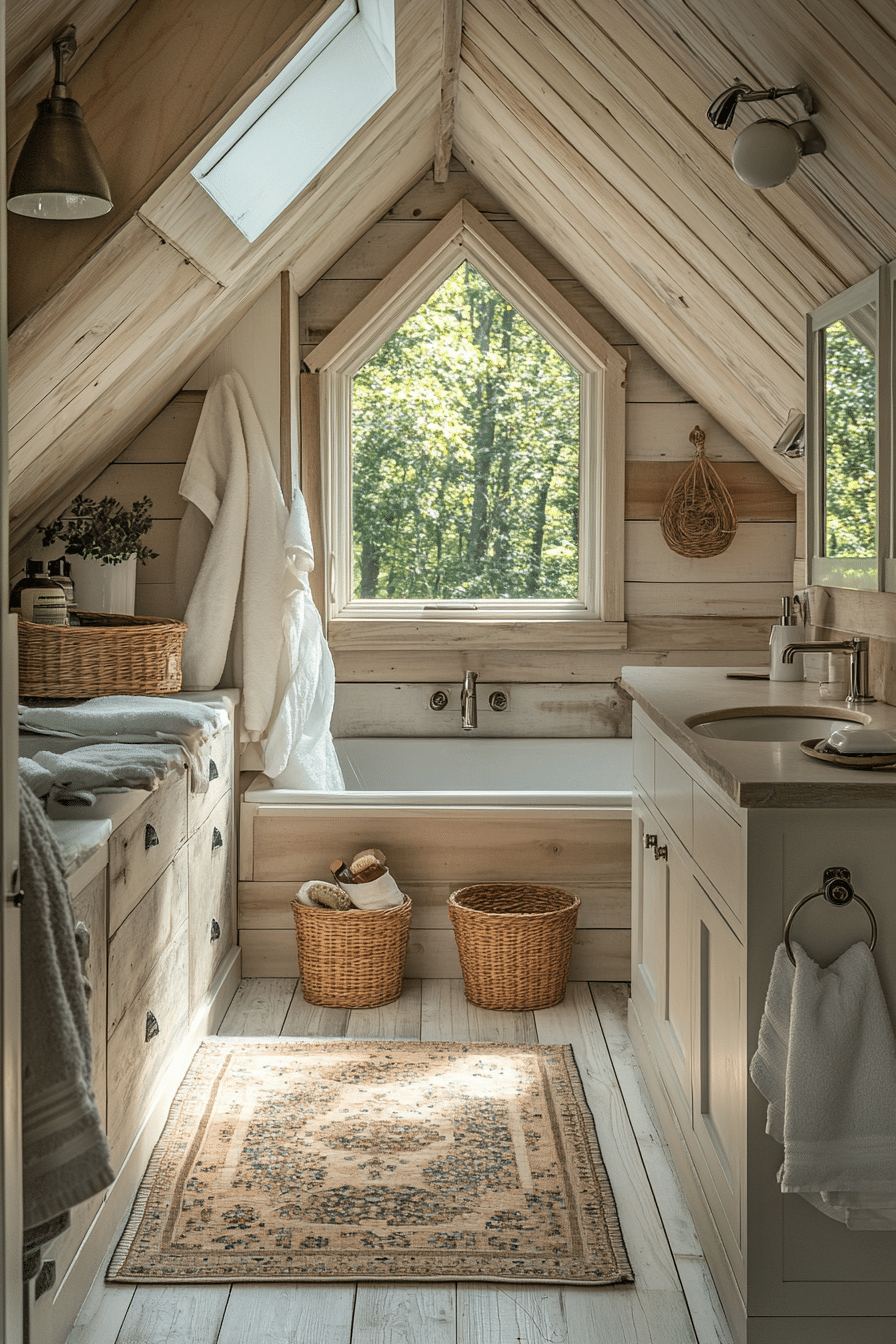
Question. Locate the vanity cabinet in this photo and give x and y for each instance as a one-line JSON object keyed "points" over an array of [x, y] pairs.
{"points": [[712, 884], [163, 966]]}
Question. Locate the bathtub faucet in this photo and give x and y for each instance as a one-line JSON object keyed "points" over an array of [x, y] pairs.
{"points": [[468, 701]]}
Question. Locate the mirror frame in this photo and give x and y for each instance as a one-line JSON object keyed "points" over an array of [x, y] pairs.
{"points": [[881, 568]]}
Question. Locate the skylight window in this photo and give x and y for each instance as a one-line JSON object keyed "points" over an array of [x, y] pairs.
{"points": [[327, 92]]}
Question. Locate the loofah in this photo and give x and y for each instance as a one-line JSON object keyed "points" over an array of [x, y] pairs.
{"points": [[698, 518], [325, 894]]}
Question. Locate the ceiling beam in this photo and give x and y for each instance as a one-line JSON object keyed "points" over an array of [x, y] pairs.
{"points": [[452, 30]]}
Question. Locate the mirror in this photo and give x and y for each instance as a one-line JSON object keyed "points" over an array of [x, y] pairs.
{"points": [[848, 529]]}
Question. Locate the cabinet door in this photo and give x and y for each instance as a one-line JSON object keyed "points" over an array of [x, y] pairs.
{"points": [[675, 1026], [211, 899], [720, 1068]]}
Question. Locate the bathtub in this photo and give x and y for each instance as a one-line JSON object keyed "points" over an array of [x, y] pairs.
{"points": [[471, 772], [449, 812]]}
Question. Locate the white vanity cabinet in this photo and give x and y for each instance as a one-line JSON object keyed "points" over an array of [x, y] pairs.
{"points": [[163, 966], [712, 884]]}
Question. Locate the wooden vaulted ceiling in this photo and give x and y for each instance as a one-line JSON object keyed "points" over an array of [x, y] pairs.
{"points": [[587, 118]]}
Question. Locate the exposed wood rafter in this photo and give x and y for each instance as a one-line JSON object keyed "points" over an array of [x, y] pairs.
{"points": [[452, 30]]}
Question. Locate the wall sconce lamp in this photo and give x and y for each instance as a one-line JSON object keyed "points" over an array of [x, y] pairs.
{"points": [[768, 152], [58, 174]]}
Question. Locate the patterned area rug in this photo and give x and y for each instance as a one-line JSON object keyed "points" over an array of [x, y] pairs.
{"points": [[298, 1160]]}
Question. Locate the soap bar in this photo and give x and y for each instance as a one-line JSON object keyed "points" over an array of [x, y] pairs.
{"points": [[861, 741]]}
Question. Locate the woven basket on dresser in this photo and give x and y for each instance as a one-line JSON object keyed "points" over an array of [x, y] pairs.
{"points": [[515, 942], [105, 655], [351, 958]]}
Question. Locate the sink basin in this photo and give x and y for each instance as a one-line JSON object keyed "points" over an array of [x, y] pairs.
{"points": [[781, 723]]}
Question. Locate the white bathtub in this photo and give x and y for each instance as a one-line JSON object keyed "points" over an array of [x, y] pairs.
{"points": [[471, 772]]}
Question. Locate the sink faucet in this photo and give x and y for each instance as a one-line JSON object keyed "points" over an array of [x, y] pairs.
{"points": [[468, 701], [857, 649]]}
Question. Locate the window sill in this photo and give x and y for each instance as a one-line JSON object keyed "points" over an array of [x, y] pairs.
{"points": [[372, 633]]}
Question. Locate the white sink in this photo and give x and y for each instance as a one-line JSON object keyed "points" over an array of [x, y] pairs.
{"points": [[784, 723]]}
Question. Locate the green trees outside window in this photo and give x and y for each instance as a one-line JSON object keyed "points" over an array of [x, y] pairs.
{"points": [[465, 456], [850, 468]]}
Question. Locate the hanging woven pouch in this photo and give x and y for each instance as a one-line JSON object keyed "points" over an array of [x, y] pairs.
{"points": [[698, 518]]}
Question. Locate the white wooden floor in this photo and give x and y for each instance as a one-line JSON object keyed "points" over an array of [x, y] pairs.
{"points": [[672, 1301]]}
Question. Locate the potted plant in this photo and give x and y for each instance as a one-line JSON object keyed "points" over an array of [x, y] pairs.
{"points": [[103, 541]]}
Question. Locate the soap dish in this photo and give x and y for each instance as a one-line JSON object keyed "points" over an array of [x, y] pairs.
{"points": [[853, 762]]}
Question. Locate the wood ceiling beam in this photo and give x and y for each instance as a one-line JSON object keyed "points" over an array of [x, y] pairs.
{"points": [[452, 31]]}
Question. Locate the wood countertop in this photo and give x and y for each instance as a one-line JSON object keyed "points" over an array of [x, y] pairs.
{"points": [[759, 774]]}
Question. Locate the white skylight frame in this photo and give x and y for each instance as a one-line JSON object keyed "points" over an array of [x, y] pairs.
{"points": [[321, 98]]}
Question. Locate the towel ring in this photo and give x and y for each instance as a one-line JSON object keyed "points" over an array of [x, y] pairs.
{"points": [[838, 890]]}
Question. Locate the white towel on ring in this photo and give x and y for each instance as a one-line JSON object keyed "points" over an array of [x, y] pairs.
{"points": [[826, 1063]]}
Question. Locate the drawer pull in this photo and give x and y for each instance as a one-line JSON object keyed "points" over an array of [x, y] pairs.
{"points": [[212, 770], [152, 1026], [216, 931], [151, 837], [650, 842], [661, 852], [217, 839]]}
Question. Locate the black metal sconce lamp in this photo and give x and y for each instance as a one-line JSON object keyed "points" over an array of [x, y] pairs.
{"points": [[58, 174], [767, 152]]}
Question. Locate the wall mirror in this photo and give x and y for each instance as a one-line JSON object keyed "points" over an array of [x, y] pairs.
{"points": [[848, 414]]}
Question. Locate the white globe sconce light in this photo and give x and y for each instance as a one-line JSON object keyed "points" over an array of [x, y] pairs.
{"points": [[767, 152]]}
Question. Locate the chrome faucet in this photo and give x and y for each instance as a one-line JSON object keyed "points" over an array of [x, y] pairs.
{"points": [[468, 701], [857, 649]]}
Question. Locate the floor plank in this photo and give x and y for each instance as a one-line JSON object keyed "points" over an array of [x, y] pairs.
{"points": [[708, 1318], [575, 1022], [494, 1312], [405, 1313], [104, 1309], [307, 1019], [627, 1316], [183, 1311], [448, 1016], [289, 1313], [258, 1008], [396, 1021]]}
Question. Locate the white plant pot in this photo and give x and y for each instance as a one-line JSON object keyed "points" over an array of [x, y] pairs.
{"points": [[101, 587]]}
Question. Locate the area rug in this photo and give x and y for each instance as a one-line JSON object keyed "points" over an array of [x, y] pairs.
{"points": [[296, 1160]]}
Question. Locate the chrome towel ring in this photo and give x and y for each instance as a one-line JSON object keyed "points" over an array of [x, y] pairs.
{"points": [[838, 890]]}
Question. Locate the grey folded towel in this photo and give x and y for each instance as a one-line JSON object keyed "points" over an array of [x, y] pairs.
{"points": [[77, 776], [135, 718], [65, 1155]]}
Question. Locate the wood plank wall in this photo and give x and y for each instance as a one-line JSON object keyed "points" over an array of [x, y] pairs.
{"points": [[679, 611]]}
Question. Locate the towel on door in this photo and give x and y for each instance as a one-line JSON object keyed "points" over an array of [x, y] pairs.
{"points": [[242, 563], [826, 1064]]}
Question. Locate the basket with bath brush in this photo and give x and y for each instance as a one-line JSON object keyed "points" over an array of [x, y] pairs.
{"points": [[351, 957]]}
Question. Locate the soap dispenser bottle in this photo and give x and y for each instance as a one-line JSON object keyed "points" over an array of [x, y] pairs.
{"points": [[782, 635]]}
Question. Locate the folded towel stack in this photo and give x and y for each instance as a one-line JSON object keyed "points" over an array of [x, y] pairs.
{"points": [[826, 1063], [135, 719], [76, 777]]}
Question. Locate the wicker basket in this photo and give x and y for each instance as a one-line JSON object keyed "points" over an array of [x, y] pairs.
{"points": [[514, 942], [351, 958], [104, 655]]}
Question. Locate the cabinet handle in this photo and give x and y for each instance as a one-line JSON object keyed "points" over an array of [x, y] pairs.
{"points": [[150, 837], [216, 931], [217, 838], [16, 898], [152, 1026], [661, 852], [650, 842], [212, 770]]}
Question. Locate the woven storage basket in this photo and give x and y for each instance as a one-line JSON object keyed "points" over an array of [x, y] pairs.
{"points": [[515, 942], [104, 655], [351, 958]]}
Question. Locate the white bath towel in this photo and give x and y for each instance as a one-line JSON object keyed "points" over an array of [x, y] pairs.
{"points": [[826, 1063], [137, 719], [242, 563]]}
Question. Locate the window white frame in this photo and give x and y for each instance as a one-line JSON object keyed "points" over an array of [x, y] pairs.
{"points": [[321, 98], [465, 235]]}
